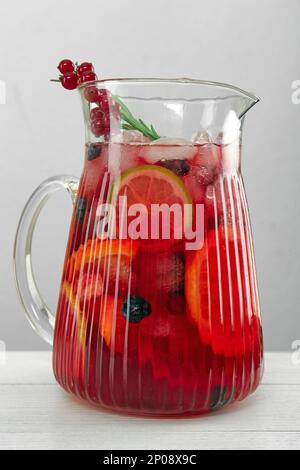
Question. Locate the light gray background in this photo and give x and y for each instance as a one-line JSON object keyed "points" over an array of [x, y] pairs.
{"points": [[252, 44]]}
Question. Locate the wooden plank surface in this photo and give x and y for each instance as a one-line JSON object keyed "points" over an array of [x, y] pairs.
{"points": [[35, 413]]}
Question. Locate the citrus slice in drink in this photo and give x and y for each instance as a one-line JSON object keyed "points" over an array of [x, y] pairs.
{"points": [[215, 296], [75, 309], [98, 277], [108, 262], [103, 316], [152, 204]]}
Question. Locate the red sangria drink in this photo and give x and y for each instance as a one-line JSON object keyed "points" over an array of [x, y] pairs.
{"points": [[158, 311], [157, 325]]}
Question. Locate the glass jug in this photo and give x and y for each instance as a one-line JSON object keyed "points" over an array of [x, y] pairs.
{"points": [[158, 312]]}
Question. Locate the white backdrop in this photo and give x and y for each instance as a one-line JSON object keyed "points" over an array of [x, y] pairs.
{"points": [[252, 44]]}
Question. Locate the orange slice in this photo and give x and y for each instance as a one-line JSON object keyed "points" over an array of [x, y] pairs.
{"points": [[215, 303], [197, 291], [96, 250], [108, 318], [76, 310], [96, 273], [150, 185]]}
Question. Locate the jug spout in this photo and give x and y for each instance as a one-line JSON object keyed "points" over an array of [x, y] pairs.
{"points": [[240, 100], [244, 101]]}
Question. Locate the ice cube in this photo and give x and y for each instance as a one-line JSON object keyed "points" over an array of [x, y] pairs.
{"points": [[167, 148], [122, 156], [206, 164], [128, 137]]}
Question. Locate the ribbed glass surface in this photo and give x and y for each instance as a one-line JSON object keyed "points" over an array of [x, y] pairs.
{"points": [[148, 326]]}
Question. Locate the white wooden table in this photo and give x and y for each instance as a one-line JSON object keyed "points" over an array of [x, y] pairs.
{"points": [[35, 413]]}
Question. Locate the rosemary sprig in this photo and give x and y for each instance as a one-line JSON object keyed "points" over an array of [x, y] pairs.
{"points": [[131, 123]]}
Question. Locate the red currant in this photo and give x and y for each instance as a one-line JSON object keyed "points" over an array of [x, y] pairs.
{"points": [[96, 114], [85, 67], [100, 126], [91, 94], [104, 93], [66, 66], [87, 77], [69, 81], [97, 127], [104, 105], [103, 100]]}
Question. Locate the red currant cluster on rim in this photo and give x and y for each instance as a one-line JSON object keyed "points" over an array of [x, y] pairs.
{"points": [[73, 75], [105, 108]]}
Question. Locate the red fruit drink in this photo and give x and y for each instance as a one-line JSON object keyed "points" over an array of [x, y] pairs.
{"points": [[149, 325]]}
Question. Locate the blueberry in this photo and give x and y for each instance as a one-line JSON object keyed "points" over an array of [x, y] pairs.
{"points": [[94, 151], [218, 397], [135, 308], [179, 167], [81, 204]]}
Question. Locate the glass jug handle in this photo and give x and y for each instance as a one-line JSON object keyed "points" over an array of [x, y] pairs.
{"points": [[39, 315]]}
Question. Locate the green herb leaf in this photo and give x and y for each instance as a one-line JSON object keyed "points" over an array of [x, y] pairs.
{"points": [[131, 123]]}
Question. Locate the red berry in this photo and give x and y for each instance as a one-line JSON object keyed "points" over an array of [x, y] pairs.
{"points": [[100, 126], [91, 94], [104, 105], [104, 100], [66, 66], [96, 114], [69, 81], [97, 127], [87, 77], [104, 94], [85, 67]]}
